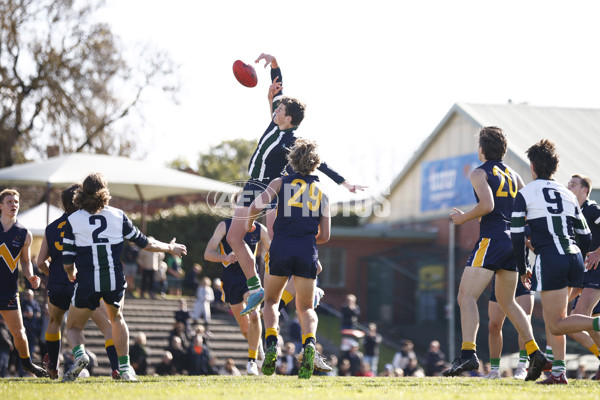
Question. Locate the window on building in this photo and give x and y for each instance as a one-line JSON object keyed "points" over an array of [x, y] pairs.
{"points": [[333, 260]]}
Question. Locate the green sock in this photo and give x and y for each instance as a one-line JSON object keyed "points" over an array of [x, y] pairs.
{"points": [[124, 365], [522, 358], [253, 283], [558, 367], [78, 351], [549, 354], [597, 324], [495, 364]]}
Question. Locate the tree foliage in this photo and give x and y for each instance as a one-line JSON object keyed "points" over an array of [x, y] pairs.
{"points": [[65, 80], [227, 161]]}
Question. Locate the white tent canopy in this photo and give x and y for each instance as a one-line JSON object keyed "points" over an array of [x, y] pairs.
{"points": [[127, 178], [34, 218]]}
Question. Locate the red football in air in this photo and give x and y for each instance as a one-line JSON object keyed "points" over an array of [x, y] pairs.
{"points": [[245, 74]]}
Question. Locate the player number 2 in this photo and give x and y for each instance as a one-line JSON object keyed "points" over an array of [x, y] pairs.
{"points": [[313, 192], [103, 225], [505, 176]]}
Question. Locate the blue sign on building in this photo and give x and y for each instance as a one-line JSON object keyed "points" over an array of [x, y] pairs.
{"points": [[446, 183]]}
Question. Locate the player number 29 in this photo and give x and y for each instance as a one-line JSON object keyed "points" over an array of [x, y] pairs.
{"points": [[313, 192]]}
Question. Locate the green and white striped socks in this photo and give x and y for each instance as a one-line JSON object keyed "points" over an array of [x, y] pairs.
{"points": [[78, 351], [522, 359], [558, 367]]}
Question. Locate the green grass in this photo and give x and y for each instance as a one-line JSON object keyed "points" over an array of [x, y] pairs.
{"points": [[280, 387]]}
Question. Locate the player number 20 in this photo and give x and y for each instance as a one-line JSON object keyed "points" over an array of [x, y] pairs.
{"points": [[504, 177], [313, 192]]}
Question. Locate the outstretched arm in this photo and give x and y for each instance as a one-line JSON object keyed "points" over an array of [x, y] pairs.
{"points": [[212, 252], [276, 88]]}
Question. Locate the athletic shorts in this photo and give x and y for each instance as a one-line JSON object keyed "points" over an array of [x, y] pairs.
{"points": [[88, 298], [60, 295], [9, 302], [520, 291], [555, 271], [234, 293], [291, 266], [493, 254], [591, 279], [253, 189]]}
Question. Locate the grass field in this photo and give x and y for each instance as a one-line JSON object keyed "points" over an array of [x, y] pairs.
{"points": [[283, 387]]}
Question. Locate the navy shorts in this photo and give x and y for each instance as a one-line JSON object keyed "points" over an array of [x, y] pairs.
{"points": [[553, 272], [234, 293], [61, 294], [90, 299], [9, 302], [520, 291], [493, 254], [283, 265], [253, 189], [591, 279]]}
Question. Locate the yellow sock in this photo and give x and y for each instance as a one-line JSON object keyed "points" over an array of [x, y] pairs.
{"points": [[531, 346], [52, 337], [286, 297], [468, 346], [108, 343], [308, 335], [252, 354], [271, 332], [594, 350]]}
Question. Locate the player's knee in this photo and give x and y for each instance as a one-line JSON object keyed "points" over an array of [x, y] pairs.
{"points": [[494, 326]]}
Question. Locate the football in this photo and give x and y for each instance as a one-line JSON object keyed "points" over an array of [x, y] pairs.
{"points": [[245, 74]]}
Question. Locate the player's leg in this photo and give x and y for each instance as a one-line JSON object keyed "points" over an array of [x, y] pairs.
{"points": [[473, 282], [251, 328], [305, 293], [53, 339], [273, 289], [554, 304], [120, 335], [496, 321], [506, 284], [14, 323], [76, 320], [525, 301], [586, 302], [102, 321]]}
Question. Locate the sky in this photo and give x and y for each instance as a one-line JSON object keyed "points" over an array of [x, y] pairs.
{"points": [[377, 76]]}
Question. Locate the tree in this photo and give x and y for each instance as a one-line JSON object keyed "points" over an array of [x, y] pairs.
{"points": [[65, 81], [227, 161]]}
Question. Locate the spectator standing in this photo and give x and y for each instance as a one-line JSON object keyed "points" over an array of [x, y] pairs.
{"points": [[160, 279], [350, 312], [176, 274], [436, 360], [204, 296], [371, 346], [130, 267], [183, 315], [139, 353], [148, 262], [32, 319]]}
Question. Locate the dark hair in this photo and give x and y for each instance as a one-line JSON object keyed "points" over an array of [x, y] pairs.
{"points": [[304, 156], [93, 195], [67, 196], [295, 109], [544, 158], [585, 182], [492, 142]]}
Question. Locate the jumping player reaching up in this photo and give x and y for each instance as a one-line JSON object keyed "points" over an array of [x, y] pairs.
{"points": [[268, 163]]}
